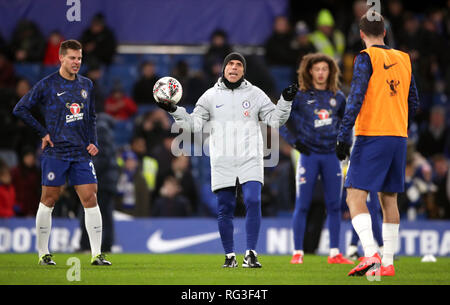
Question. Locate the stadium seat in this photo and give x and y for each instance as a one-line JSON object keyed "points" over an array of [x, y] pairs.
{"points": [[123, 132], [47, 70], [161, 61], [194, 61], [30, 71], [9, 156], [146, 108], [122, 75], [126, 59]]}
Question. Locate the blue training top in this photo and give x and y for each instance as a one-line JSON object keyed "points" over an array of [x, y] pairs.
{"points": [[315, 119], [69, 113]]}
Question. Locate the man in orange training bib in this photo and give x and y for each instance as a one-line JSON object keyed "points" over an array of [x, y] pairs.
{"points": [[383, 96]]}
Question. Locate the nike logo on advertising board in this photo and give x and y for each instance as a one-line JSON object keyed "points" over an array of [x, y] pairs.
{"points": [[389, 66], [156, 244]]}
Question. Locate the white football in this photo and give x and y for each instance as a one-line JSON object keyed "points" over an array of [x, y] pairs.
{"points": [[167, 89]]}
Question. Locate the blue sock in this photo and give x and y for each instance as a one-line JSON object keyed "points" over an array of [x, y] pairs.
{"points": [[226, 200], [251, 191], [334, 223], [299, 223]]}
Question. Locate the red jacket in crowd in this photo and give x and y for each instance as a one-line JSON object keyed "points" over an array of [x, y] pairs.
{"points": [[7, 200]]}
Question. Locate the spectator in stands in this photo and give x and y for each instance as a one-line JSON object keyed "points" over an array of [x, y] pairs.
{"points": [[134, 194], [259, 74], [120, 106], [354, 43], [163, 155], [181, 170], [219, 48], [26, 179], [394, 14], [446, 23], [51, 57], [139, 146], [95, 74], [149, 165], [152, 126], [327, 39], [278, 46], [435, 138], [14, 134], [7, 74], [418, 174], [8, 122], [441, 179], [23, 134], [301, 43], [27, 43], [143, 88], [410, 37], [99, 42], [7, 192], [107, 170], [432, 64], [214, 72], [171, 202], [68, 204], [193, 82]]}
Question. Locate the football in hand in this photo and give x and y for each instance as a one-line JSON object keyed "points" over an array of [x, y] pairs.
{"points": [[167, 90]]}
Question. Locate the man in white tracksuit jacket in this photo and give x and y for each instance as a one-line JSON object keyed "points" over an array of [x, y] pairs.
{"points": [[231, 111]]}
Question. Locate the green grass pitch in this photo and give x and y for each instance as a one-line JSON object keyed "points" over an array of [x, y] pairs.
{"points": [[205, 269]]}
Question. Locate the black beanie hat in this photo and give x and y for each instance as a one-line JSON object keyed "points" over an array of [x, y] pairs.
{"points": [[234, 56]]}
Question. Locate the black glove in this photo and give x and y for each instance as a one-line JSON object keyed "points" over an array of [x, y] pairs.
{"points": [[169, 107], [290, 92], [302, 148], [342, 150]]}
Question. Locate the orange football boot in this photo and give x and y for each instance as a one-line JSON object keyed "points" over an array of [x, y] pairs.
{"points": [[297, 259], [339, 259], [382, 271], [365, 265]]}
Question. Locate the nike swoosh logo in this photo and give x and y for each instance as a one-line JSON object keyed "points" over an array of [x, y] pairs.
{"points": [[158, 245], [310, 102], [59, 94], [218, 106], [387, 67]]}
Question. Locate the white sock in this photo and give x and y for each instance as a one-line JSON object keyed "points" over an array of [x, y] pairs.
{"points": [[390, 239], [362, 223], [351, 249], [93, 221], [299, 252], [334, 252], [230, 255], [43, 228]]}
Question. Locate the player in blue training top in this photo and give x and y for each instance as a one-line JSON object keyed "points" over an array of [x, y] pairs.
{"points": [[315, 117], [69, 141]]}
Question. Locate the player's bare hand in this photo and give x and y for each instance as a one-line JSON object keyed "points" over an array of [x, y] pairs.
{"points": [[92, 149], [46, 141]]}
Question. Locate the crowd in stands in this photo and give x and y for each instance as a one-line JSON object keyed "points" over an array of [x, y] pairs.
{"points": [[138, 174]]}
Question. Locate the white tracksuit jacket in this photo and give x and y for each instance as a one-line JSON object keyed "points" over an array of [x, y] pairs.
{"points": [[232, 118]]}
